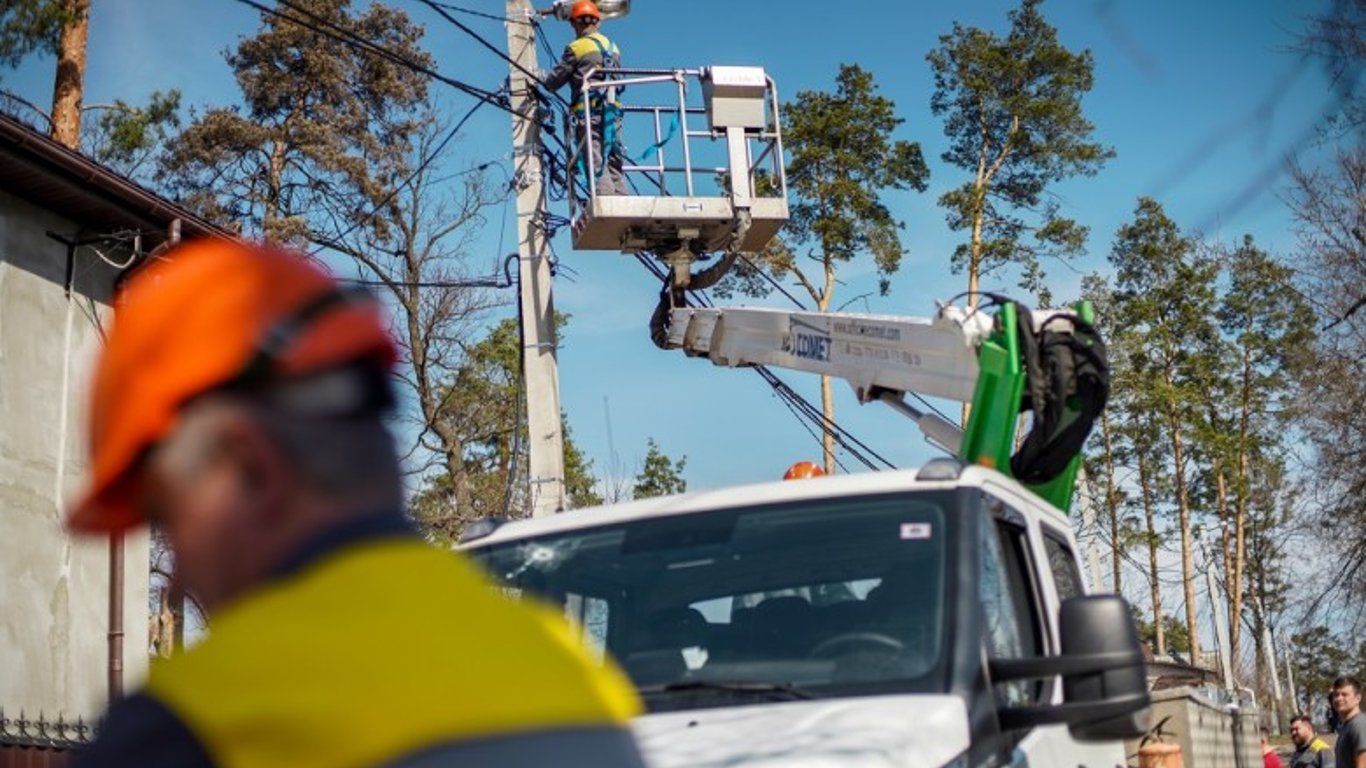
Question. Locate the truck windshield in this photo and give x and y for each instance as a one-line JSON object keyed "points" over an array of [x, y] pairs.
{"points": [[836, 597]]}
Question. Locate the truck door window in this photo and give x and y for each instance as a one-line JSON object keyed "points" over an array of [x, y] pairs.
{"points": [[1063, 564], [1005, 588], [590, 615]]}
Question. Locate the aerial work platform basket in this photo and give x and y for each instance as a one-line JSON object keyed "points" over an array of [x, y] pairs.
{"points": [[696, 190]]}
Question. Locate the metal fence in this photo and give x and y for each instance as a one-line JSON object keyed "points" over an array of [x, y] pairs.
{"points": [[39, 742]]}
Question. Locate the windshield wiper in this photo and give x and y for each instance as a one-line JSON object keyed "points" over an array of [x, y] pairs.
{"points": [[755, 687]]}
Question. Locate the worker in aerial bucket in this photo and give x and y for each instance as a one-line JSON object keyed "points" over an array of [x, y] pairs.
{"points": [[592, 53], [239, 404]]}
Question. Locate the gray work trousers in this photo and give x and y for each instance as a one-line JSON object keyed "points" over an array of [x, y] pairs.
{"points": [[611, 179]]}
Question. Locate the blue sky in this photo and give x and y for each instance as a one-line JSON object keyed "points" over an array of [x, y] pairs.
{"points": [[1202, 101]]}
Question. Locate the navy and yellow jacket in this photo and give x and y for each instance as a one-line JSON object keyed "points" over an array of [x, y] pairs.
{"points": [[582, 54], [378, 650], [1315, 754]]}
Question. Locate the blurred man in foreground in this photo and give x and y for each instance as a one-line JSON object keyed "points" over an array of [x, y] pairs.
{"points": [[238, 405]]}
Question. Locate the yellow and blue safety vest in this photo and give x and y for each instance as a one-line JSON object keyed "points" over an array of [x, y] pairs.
{"points": [[381, 651], [582, 54]]}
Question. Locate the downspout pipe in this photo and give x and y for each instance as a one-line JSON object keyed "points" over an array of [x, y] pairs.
{"points": [[117, 570]]}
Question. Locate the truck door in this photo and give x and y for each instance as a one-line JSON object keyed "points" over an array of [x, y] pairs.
{"points": [[1011, 615], [1060, 573]]}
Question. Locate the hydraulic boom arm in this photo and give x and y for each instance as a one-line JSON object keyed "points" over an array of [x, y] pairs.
{"points": [[971, 357]]}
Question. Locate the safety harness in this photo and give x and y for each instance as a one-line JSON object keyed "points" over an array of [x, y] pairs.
{"points": [[604, 104]]}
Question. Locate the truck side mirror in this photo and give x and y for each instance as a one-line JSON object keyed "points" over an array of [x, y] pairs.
{"points": [[1102, 625], [1105, 693]]}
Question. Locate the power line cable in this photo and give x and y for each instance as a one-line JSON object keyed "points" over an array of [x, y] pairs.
{"points": [[773, 282], [841, 436], [493, 281], [473, 12], [545, 42], [351, 39], [561, 103], [801, 407], [422, 166], [804, 422], [534, 77]]}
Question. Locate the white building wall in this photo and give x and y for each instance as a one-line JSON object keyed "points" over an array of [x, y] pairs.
{"points": [[54, 590]]}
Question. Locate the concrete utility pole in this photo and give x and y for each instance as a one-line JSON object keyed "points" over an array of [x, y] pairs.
{"points": [[1269, 644], [1217, 608], [1290, 685], [1088, 524], [545, 443]]}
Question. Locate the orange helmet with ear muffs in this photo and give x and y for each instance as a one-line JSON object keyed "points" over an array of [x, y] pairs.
{"points": [[209, 315]]}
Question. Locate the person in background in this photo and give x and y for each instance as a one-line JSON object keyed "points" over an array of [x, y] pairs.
{"points": [[803, 470], [239, 405], [1350, 749], [1310, 750], [1269, 757]]}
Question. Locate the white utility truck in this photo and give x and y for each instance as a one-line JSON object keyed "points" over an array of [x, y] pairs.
{"points": [[931, 617]]}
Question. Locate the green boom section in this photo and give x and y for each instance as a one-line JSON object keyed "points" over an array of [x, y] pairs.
{"points": [[989, 435]]}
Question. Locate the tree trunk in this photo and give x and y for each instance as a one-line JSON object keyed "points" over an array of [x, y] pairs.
{"points": [[1240, 493], [1226, 552], [461, 497], [828, 436], [166, 626], [177, 612], [975, 250], [69, 84], [979, 212], [827, 391], [1145, 485], [1111, 500], [1187, 545], [1264, 687], [1183, 513]]}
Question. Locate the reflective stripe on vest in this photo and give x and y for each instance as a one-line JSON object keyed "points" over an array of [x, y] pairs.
{"points": [[380, 651]]}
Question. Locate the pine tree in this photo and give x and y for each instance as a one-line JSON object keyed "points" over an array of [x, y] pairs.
{"points": [[1012, 111], [1266, 322], [483, 448], [1166, 300], [59, 28], [1104, 453], [659, 475], [322, 123], [843, 158], [30, 26]]}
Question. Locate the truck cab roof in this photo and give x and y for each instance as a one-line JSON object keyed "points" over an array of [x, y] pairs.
{"points": [[939, 474]]}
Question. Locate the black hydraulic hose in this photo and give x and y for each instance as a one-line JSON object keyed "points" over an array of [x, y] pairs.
{"points": [[663, 314], [671, 298], [701, 281]]}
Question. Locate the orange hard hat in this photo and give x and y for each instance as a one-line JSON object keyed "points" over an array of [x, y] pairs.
{"points": [[803, 470], [208, 315], [585, 8]]}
